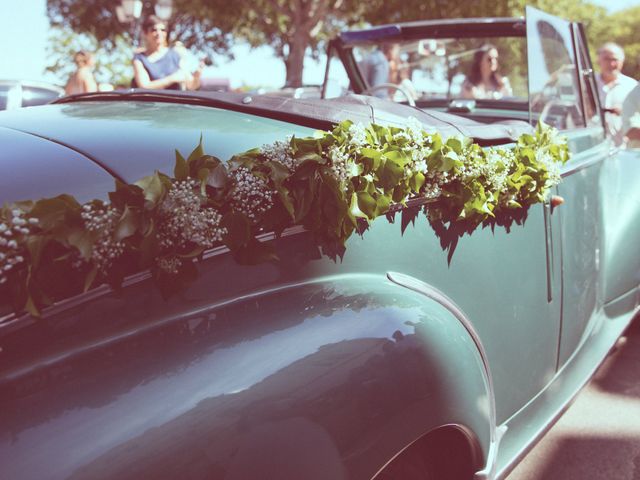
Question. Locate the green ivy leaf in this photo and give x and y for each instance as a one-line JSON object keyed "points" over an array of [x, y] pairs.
{"points": [[52, 212], [126, 194], [383, 202], [238, 230], [83, 241], [197, 152], [127, 224], [217, 177], [153, 189], [417, 181], [449, 160], [90, 278], [180, 171], [390, 174], [31, 308], [398, 157], [35, 245], [367, 204]]}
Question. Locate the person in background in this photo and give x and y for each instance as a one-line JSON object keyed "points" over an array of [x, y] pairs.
{"points": [[631, 118], [82, 80], [159, 67], [484, 80], [613, 87], [381, 66]]}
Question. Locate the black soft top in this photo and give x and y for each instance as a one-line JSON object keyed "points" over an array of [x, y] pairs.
{"points": [[325, 113], [438, 28]]}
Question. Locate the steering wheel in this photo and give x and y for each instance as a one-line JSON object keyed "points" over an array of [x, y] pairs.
{"points": [[399, 88]]}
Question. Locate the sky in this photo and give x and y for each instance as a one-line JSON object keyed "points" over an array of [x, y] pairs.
{"points": [[24, 32]]}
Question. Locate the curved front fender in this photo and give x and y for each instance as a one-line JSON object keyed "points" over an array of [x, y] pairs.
{"points": [[331, 377]]}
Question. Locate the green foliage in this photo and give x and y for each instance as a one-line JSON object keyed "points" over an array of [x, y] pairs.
{"points": [[620, 27], [333, 185]]}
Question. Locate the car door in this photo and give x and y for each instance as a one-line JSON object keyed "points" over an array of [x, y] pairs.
{"points": [[620, 223], [561, 94]]}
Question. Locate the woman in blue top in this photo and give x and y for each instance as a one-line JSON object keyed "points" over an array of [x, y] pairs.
{"points": [[159, 67]]}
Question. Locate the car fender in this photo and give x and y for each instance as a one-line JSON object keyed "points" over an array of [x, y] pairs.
{"points": [[338, 375]]}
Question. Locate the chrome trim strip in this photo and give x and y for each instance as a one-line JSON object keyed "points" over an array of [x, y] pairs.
{"points": [[12, 321], [434, 294]]}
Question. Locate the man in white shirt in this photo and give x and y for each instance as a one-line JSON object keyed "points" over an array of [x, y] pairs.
{"points": [[613, 86], [631, 118]]}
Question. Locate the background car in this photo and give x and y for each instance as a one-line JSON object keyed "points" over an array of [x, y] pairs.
{"points": [[414, 353], [23, 93]]}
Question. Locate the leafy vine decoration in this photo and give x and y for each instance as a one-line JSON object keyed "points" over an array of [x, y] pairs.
{"points": [[332, 184]]}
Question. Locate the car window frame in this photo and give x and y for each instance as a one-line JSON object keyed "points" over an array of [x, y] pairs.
{"points": [[587, 74]]}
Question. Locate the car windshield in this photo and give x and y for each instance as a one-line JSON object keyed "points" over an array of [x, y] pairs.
{"points": [[487, 70], [445, 69]]}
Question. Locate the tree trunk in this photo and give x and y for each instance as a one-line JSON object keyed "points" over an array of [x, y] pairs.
{"points": [[295, 59]]}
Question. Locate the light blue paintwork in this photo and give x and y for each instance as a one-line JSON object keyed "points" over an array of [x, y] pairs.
{"points": [[269, 371]]}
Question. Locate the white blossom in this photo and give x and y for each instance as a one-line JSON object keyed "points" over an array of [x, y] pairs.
{"points": [[342, 165], [12, 250], [357, 136], [495, 168], [553, 168], [183, 220], [433, 184], [416, 131], [281, 152], [251, 195], [169, 264], [103, 220]]}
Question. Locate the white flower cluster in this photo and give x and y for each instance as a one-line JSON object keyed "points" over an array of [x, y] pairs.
{"points": [[169, 264], [183, 221], [103, 220], [553, 168], [432, 187], [357, 136], [416, 131], [281, 152], [342, 165], [496, 168], [251, 194], [419, 155], [11, 253]]}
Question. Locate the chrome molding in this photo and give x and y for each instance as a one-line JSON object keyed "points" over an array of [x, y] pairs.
{"points": [[11, 321]]}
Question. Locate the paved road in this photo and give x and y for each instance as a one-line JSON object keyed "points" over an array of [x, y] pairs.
{"points": [[598, 438]]}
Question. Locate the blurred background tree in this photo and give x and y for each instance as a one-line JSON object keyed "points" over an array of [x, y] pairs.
{"points": [[291, 27], [620, 27], [295, 28]]}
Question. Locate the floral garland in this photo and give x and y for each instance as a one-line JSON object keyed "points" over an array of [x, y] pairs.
{"points": [[332, 184]]}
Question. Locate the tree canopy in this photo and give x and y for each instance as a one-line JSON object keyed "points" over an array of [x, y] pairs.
{"points": [[296, 27]]}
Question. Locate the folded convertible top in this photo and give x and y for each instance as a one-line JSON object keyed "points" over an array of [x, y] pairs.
{"points": [[324, 113]]}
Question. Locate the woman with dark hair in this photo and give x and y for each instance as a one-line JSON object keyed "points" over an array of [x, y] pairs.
{"points": [[484, 81], [159, 67]]}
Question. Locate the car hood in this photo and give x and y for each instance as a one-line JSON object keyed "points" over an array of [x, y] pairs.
{"points": [[132, 139], [34, 168]]}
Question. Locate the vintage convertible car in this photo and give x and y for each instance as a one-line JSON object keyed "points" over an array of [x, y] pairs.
{"points": [[24, 93], [411, 353]]}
